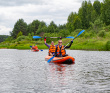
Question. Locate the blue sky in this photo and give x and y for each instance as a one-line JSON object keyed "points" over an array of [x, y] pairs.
{"points": [[29, 10]]}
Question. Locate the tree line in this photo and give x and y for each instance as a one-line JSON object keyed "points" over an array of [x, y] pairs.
{"points": [[3, 38], [89, 15]]}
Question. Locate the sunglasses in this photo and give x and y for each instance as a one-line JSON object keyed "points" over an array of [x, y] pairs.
{"points": [[59, 42]]}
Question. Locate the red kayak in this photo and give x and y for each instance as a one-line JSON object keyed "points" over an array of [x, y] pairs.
{"points": [[35, 50], [61, 60]]}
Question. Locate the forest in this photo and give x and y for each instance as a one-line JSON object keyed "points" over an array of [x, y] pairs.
{"points": [[93, 18]]}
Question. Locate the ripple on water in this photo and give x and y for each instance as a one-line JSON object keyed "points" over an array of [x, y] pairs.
{"points": [[23, 71]]}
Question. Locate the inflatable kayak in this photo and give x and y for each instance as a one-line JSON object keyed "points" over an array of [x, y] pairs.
{"points": [[61, 60], [34, 50]]}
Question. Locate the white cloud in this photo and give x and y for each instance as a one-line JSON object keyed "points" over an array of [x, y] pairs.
{"points": [[4, 30]]}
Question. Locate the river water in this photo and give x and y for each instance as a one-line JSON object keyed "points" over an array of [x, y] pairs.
{"points": [[23, 71]]}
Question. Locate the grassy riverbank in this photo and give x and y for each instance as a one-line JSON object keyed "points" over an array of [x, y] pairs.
{"points": [[80, 43]]}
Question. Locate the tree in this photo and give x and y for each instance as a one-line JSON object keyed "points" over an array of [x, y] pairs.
{"points": [[34, 26], [97, 24], [106, 12], [77, 23], [97, 7], [70, 21], [19, 34], [94, 16], [3, 38], [62, 26], [52, 28], [20, 25], [83, 14], [42, 28], [63, 33], [89, 11]]}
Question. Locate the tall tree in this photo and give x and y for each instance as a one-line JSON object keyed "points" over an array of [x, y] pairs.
{"points": [[34, 26], [70, 21], [20, 25], [83, 15], [52, 28], [97, 7], [89, 11], [77, 23], [106, 12]]}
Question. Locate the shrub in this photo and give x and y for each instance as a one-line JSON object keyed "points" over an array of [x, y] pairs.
{"points": [[21, 38], [108, 46], [108, 34], [87, 35], [19, 34], [107, 28], [102, 33]]}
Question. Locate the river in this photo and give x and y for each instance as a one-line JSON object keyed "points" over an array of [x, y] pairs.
{"points": [[23, 71]]}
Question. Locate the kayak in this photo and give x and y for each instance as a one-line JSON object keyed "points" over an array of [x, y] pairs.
{"points": [[35, 50], [61, 60]]}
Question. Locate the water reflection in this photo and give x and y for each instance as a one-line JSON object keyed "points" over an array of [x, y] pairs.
{"points": [[60, 74]]}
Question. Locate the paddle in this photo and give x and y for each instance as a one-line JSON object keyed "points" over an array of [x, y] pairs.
{"points": [[37, 37], [77, 36], [40, 50], [66, 45]]}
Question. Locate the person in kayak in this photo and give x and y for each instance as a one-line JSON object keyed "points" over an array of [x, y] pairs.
{"points": [[51, 47], [34, 47], [60, 49]]}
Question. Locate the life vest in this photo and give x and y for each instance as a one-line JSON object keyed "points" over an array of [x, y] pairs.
{"points": [[52, 48], [35, 47], [63, 52]]}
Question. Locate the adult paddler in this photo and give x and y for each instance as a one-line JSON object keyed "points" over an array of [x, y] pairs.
{"points": [[60, 49], [51, 47], [34, 48]]}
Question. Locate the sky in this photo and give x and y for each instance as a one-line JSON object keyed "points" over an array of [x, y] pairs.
{"points": [[43, 10]]}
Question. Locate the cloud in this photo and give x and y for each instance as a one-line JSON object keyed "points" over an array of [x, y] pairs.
{"points": [[4, 30], [7, 3]]}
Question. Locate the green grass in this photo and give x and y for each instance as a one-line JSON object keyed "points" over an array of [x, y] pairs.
{"points": [[80, 43]]}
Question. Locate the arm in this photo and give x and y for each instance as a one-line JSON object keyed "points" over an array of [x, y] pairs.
{"points": [[69, 45], [56, 45], [46, 43]]}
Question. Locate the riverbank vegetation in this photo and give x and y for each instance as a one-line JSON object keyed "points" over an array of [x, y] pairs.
{"points": [[93, 18]]}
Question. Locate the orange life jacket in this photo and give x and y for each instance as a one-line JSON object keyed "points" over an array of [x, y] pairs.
{"points": [[52, 48], [35, 47], [63, 52]]}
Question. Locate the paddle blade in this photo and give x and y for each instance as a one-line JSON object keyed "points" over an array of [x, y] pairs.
{"points": [[70, 37], [41, 50], [80, 32], [50, 59], [30, 46], [36, 37]]}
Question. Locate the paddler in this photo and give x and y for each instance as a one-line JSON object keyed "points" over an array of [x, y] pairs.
{"points": [[60, 49], [34, 47], [51, 47]]}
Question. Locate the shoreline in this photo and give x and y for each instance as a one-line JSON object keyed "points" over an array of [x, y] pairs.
{"points": [[48, 49]]}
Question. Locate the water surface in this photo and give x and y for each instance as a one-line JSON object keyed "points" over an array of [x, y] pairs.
{"points": [[23, 71]]}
